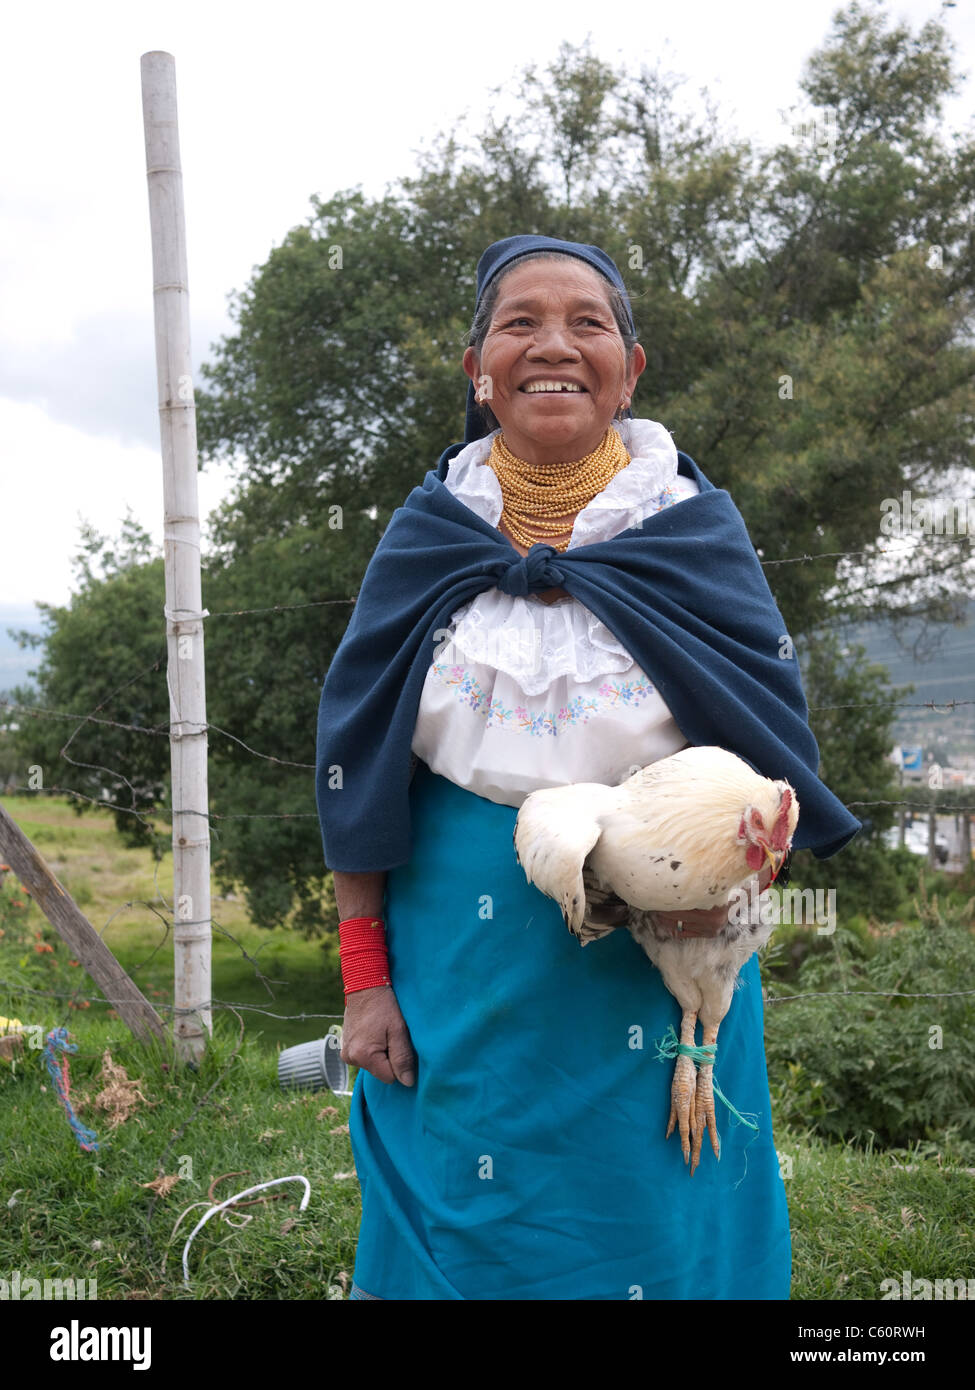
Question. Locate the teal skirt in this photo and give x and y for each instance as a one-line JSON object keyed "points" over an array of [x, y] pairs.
{"points": [[529, 1161]]}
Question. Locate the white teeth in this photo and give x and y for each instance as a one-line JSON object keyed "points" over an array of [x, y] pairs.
{"points": [[551, 386]]}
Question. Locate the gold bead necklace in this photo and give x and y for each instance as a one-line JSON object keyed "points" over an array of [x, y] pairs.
{"points": [[533, 493]]}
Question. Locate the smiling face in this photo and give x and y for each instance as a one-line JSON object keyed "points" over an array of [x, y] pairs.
{"points": [[555, 361]]}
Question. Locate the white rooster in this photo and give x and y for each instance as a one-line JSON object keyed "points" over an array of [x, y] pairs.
{"points": [[679, 835]]}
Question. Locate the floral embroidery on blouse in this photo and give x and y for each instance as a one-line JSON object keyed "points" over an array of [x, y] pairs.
{"points": [[610, 695], [667, 498]]}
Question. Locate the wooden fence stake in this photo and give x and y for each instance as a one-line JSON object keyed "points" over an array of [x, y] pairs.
{"points": [[73, 927], [192, 931]]}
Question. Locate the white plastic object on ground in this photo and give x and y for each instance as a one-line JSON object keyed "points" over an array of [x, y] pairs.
{"points": [[229, 1203]]}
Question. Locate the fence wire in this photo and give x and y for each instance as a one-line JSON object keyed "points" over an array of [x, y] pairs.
{"points": [[145, 815]]}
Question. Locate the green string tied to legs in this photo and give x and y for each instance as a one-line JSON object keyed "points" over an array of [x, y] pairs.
{"points": [[670, 1047]]}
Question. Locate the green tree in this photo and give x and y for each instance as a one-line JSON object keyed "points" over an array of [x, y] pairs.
{"points": [[803, 345], [267, 672], [851, 714], [103, 665]]}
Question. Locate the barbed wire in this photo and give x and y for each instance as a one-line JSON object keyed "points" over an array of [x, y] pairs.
{"points": [[886, 993], [17, 989], [805, 558], [939, 706], [164, 730], [277, 608], [915, 806], [946, 810], [214, 1005], [42, 712], [831, 555], [211, 1005], [159, 810], [154, 731], [268, 757], [333, 602], [56, 790], [240, 1008]]}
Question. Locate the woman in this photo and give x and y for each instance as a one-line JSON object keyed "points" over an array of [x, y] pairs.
{"points": [[565, 599]]}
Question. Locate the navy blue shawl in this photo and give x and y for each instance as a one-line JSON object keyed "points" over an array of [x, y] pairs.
{"points": [[683, 591]]}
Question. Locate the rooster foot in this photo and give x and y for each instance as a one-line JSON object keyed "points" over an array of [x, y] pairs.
{"points": [[704, 1116], [692, 1094], [683, 1093]]}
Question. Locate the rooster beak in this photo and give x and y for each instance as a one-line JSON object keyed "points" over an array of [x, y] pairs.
{"points": [[775, 860]]}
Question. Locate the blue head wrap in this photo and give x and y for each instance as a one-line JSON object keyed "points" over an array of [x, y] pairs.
{"points": [[501, 254]]}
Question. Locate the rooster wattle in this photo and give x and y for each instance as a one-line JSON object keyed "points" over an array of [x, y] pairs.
{"points": [[681, 834]]}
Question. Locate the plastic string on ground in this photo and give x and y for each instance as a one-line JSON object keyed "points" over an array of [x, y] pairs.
{"points": [[58, 1039]]}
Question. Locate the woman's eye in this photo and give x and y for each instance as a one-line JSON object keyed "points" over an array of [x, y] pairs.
{"points": [[527, 322], [516, 323]]}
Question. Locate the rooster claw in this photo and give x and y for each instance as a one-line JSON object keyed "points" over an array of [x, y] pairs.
{"points": [[704, 1115], [683, 1114], [692, 1110]]}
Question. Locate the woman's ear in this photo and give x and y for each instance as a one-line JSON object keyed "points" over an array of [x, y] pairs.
{"points": [[471, 363], [638, 361]]}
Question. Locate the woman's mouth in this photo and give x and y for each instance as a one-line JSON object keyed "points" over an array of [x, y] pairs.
{"points": [[537, 388]]}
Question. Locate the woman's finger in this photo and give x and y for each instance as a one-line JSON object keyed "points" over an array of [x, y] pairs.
{"points": [[377, 1064], [402, 1058]]}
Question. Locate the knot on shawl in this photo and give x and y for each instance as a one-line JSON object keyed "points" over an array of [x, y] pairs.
{"points": [[531, 572]]}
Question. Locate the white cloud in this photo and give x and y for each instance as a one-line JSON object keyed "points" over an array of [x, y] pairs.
{"points": [[102, 378], [55, 476], [274, 105]]}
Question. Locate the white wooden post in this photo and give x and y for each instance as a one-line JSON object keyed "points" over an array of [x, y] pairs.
{"points": [[184, 611]]}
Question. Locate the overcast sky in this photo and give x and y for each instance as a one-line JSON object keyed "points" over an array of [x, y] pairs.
{"points": [[275, 103]]}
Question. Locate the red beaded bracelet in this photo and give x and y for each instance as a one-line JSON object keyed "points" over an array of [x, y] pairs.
{"points": [[362, 951]]}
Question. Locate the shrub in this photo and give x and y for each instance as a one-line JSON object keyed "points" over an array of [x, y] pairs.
{"points": [[895, 1068]]}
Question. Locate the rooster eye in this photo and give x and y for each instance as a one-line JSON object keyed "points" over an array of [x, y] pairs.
{"points": [[757, 822]]}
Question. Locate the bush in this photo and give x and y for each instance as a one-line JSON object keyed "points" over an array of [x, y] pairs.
{"points": [[868, 877], [886, 1070], [793, 943]]}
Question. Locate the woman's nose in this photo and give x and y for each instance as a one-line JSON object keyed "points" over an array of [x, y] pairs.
{"points": [[552, 342]]}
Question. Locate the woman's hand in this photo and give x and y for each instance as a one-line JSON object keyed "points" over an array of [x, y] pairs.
{"points": [[703, 922], [376, 1038]]}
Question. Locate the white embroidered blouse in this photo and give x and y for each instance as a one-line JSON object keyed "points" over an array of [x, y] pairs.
{"points": [[525, 694]]}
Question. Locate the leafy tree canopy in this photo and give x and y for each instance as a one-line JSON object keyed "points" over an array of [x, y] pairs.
{"points": [[806, 313]]}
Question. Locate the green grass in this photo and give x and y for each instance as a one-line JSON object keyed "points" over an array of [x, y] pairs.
{"points": [[88, 1216], [70, 1200], [303, 977], [857, 1217]]}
